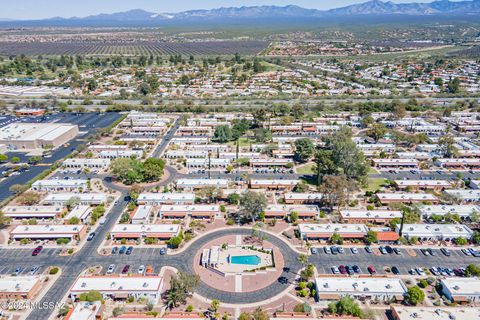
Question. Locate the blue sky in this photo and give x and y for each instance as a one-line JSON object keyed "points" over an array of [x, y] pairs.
{"points": [[34, 9]]}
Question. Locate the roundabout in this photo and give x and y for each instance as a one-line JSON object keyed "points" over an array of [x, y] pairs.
{"points": [[245, 269]]}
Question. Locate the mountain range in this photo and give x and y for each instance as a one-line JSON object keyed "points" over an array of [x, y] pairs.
{"points": [[372, 8]]}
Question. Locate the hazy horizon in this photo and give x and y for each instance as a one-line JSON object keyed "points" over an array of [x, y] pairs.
{"points": [[41, 9]]}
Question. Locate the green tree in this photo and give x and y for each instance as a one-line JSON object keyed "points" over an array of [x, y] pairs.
{"points": [[336, 239], [74, 220], [222, 134], [345, 306], [377, 131], [72, 202], [446, 144], [324, 164], [29, 198], [3, 158], [303, 259], [15, 160], [415, 295], [34, 159], [454, 86], [304, 149], [472, 270], [371, 237], [460, 241], [234, 198], [214, 305], [252, 204], [182, 286], [262, 135], [153, 169]]}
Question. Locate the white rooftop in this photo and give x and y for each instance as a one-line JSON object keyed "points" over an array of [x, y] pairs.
{"points": [[18, 284], [360, 286], [380, 214], [350, 228], [117, 284], [436, 313], [462, 286]]}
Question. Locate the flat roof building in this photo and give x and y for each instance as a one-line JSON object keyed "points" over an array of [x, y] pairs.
{"points": [[48, 232], [156, 199], [302, 197], [434, 313], [461, 290], [406, 197], [37, 212], [54, 185], [190, 184], [80, 163], [205, 211], [119, 287], [28, 136], [463, 211], [60, 199], [273, 183], [139, 231], [369, 216], [20, 287], [435, 232], [325, 231], [333, 288]]}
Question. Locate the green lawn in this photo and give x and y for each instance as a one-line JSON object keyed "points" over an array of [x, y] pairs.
{"points": [[372, 171], [306, 169], [374, 184], [244, 142]]}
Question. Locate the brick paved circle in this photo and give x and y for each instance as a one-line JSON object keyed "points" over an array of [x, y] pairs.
{"points": [[216, 289]]}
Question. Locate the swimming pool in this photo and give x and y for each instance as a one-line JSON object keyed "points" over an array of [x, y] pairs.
{"points": [[250, 260]]}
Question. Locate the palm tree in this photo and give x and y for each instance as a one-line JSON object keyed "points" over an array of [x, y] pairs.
{"points": [[172, 299]]}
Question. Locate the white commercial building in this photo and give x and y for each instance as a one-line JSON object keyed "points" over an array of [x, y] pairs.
{"points": [[302, 197], [461, 289], [435, 232], [369, 216], [156, 199], [27, 136], [120, 287], [463, 211], [80, 212], [434, 313], [60, 185], [333, 288], [206, 211], [37, 212], [190, 184], [48, 231], [60, 199], [141, 214], [139, 231], [465, 195], [80, 163], [20, 287], [325, 231]]}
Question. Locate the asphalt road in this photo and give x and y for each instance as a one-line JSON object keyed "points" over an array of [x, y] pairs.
{"points": [[87, 123]]}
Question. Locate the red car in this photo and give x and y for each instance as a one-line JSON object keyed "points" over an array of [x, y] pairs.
{"points": [[37, 250], [126, 268], [343, 269], [371, 269]]}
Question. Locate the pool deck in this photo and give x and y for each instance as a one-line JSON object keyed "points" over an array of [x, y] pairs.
{"points": [[234, 268], [244, 281]]}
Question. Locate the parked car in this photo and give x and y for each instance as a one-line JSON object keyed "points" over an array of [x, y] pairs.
{"points": [[342, 269], [114, 250], [334, 250], [356, 269], [327, 250], [91, 236], [431, 252], [446, 252], [389, 249], [163, 251], [368, 249], [425, 252], [434, 271], [37, 250], [129, 250], [382, 250], [313, 250], [466, 252], [110, 269], [420, 272], [18, 270], [34, 270], [122, 250], [371, 269], [354, 250], [340, 250], [126, 268], [395, 270], [335, 270], [141, 269], [397, 251], [349, 270]]}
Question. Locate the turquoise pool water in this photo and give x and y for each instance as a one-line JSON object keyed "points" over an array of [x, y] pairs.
{"points": [[250, 260]]}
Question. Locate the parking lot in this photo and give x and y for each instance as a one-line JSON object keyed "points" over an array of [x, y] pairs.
{"points": [[404, 261], [87, 122]]}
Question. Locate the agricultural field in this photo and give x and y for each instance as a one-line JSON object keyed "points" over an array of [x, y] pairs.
{"points": [[138, 48]]}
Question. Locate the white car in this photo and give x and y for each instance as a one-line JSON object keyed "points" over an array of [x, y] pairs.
{"points": [[141, 269], [110, 269], [420, 272], [466, 252], [354, 250], [335, 270], [327, 250]]}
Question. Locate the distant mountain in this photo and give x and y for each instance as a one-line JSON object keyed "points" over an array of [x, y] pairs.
{"points": [[270, 13]]}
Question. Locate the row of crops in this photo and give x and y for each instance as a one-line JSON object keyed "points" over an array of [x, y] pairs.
{"points": [[128, 48]]}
